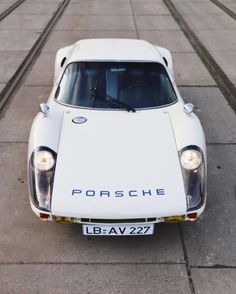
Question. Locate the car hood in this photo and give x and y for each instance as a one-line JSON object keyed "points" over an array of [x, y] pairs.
{"points": [[117, 164]]}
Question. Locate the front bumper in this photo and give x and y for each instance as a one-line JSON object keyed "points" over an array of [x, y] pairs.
{"points": [[189, 216]]}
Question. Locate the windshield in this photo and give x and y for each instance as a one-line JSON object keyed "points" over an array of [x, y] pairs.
{"points": [[133, 84]]}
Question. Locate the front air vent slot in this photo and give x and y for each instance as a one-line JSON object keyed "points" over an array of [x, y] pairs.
{"points": [[114, 221]]}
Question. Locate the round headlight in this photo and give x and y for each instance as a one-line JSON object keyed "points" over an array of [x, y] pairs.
{"points": [[44, 160], [191, 159]]}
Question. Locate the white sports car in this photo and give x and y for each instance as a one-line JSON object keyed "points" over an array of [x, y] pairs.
{"points": [[115, 148]]}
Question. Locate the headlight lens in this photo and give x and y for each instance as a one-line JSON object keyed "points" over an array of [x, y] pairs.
{"points": [[191, 159], [44, 160], [42, 166]]}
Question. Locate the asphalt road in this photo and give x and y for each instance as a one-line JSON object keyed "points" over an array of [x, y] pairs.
{"points": [[199, 257]]}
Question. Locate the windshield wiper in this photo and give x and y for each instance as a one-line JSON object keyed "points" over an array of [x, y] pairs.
{"points": [[113, 102], [118, 103]]}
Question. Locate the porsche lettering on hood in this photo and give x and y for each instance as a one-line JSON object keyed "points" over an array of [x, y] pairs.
{"points": [[119, 193]]}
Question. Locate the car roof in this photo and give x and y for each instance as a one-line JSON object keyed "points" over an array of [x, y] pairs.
{"points": [[115, 50]]}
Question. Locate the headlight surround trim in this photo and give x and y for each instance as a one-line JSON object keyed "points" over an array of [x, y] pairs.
{"points": [[194, 180]]}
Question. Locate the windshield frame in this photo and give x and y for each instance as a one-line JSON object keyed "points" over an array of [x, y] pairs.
{"points": [[115, 109]]}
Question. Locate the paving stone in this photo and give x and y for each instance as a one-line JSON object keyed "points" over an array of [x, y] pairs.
{"points": [[187, 1], [2, 86], [198, 8], [10, 61], [24, 22], [175, 41], [189, 70], [226, 1], [231, 6], [96, 22], [9, 2], [43, 71], [23, 109], [156, 22], [217, 33], [214, 281], [59, 39], [217, 117], [4, 6], [88, 278], [44, 1], [145, 8], [36, 8], [218, 40], [17, 41], [227, 61], [146, 1], [98, 8], [212, 21], [211, 239], [102, 2]]}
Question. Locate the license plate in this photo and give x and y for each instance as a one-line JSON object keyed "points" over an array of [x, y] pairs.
{"points": [[118, 230]]}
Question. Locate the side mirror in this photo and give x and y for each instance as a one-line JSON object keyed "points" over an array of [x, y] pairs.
{"points": [[44, 108], [188, 108]]}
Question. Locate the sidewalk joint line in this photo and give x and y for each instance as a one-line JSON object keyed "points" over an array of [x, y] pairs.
{"points": [[89, 263], [134, 20], [188, 268]]}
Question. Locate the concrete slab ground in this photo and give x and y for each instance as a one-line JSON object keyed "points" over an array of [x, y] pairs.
{"points": [[212, 21], [227, 60], [95, 22], [220, 40], [96, 8], [155, 22], [5, 5], [44, 1], [10, 61], [23, 109], [144, 8], [189, 70], [231, 6], [217, 117], [102, 278], [19, 32], [175, 41], [221, 281], [43, 71], [20, 41], [191, 7], [2, 85], [24, 22], [216, 31], [211, 240], [36, 8]]}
